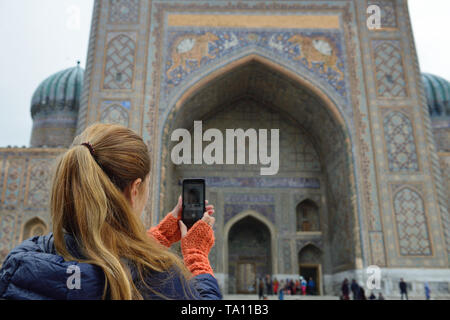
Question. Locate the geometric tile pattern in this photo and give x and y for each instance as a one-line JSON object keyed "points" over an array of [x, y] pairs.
{"points": [[388, 12], [13, 182], [260, 182], [441, 137], [123, 11], [444, 160], [6, 235], [400, 145], [286, 249], [390, 76], [413, 238], [339, 221], [39, 185], [119, 64], [377, 248], [248, 197], [116, 114]]}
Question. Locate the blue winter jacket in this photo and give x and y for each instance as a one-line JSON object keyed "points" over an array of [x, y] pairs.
{"points": [[33, 270]]}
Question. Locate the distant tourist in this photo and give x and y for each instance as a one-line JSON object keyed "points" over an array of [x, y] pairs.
{"points": [[403, 289], [355, 289], [260, 289], [345, 290], [372, 296], [275, 285], [293, 288], [380, 296], [269, 284], [303, 285], [288, 286], [311, 286], [427, 291], [281, 291], [361, 294]]}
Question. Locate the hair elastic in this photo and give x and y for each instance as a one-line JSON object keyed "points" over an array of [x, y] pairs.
{"points": [[90, 147]]}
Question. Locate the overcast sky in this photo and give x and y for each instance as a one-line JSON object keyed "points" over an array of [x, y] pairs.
{"points": [[41, 37]]}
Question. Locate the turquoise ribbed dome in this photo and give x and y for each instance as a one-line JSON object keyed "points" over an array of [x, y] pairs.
{"points": [[61, 90], [54, 108], [437, 91]]}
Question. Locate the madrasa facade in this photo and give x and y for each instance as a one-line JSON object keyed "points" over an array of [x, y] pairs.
{"points": [[364, 136]]}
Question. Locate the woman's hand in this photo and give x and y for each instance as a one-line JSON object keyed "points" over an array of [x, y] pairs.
{"points": [[168, 231], [206, 218], [177, 211], [197, 243]]}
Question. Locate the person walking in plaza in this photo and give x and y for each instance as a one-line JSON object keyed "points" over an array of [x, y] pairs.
{"points": [[380, 296], [275, 286], [294, 287], [269, 285], [345, 290], [403, 289], [427, 291], [311, 286], [361, 294], [260, 289], [303, 285], [287, 287], [355, 289], [281, 291]]}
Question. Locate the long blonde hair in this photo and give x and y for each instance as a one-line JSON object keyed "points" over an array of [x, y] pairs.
{"points": [[87, 201]]}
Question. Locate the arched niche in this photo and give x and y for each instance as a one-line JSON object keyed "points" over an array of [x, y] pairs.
{"points": [[310, 261], [308, 218], [34, 227], [249, 253]]}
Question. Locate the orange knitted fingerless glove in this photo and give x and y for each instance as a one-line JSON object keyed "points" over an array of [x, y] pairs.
{"points": [[167, 232], [195, 247]]}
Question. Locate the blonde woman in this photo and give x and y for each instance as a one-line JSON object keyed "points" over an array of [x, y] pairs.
{"points": [[99, 248]]}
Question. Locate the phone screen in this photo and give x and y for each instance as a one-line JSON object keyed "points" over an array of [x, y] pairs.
{"points": [[193, 201]]}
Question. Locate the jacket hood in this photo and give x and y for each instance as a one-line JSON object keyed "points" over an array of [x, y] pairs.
{"points": [[33, 270]]}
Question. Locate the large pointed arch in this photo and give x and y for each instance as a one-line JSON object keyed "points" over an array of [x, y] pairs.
{"points": [[305, 79], [181, 110]]}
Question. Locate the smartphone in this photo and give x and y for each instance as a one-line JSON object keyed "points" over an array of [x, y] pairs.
{"points": [[193, 201]]}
